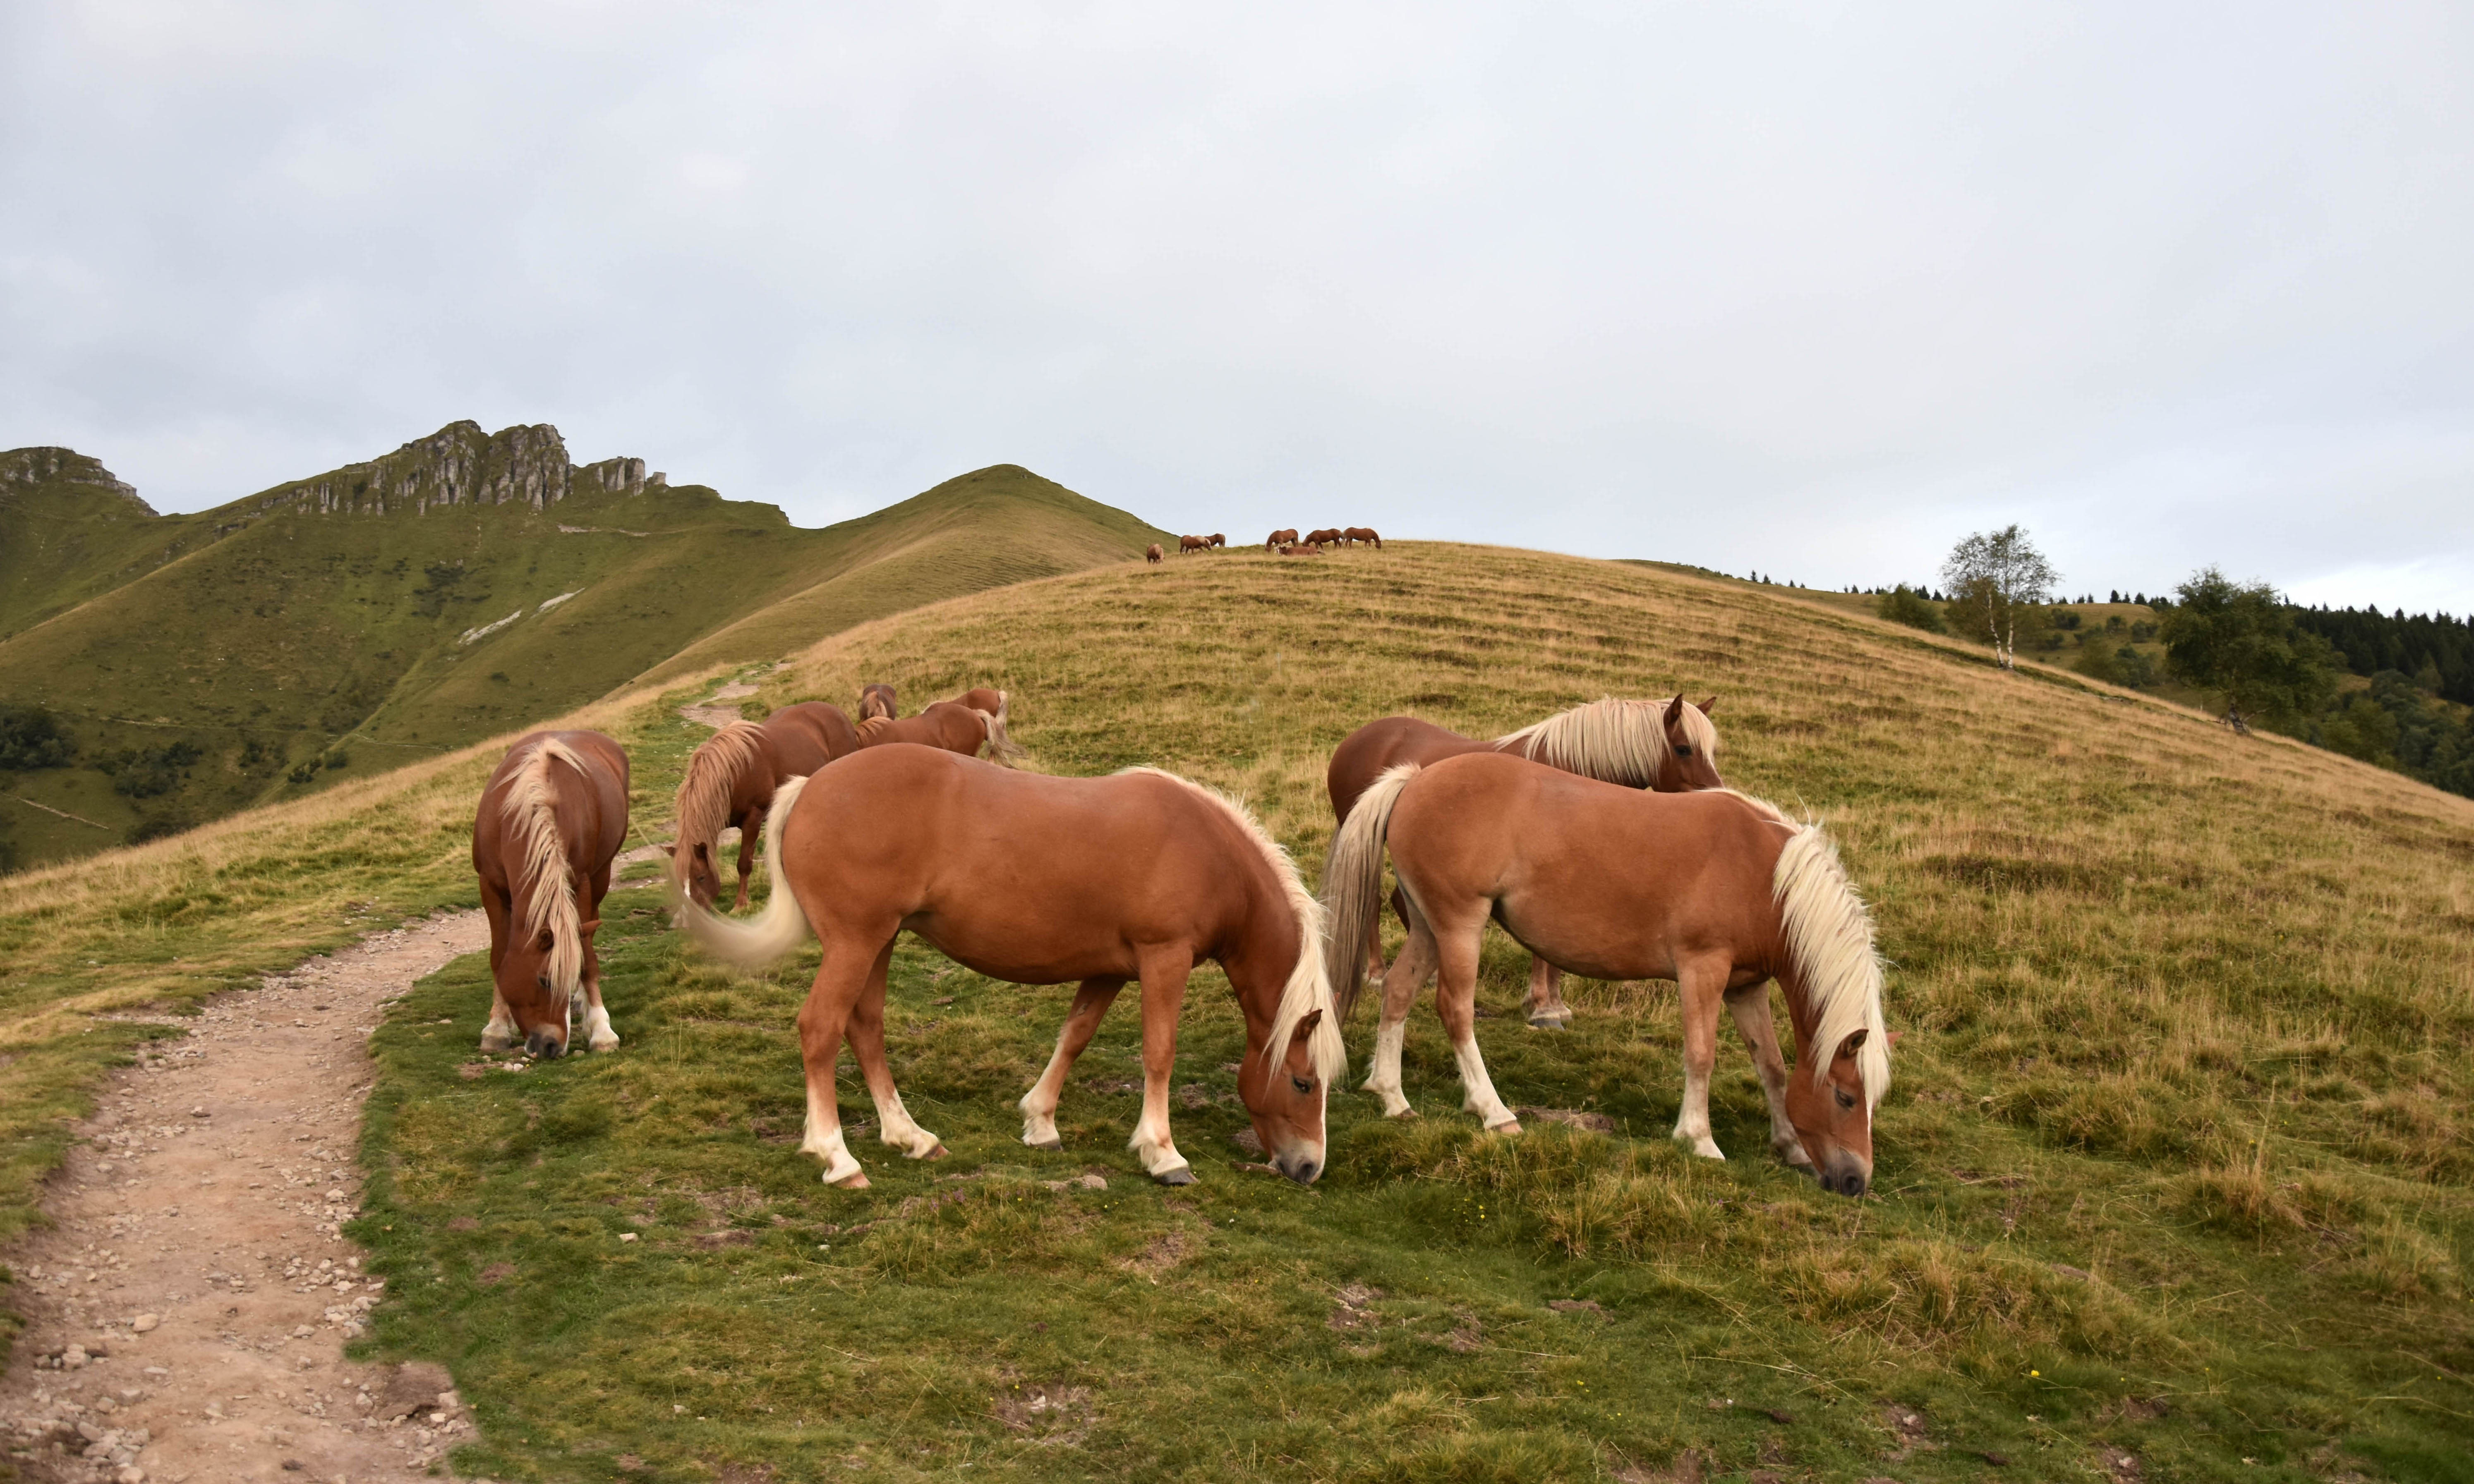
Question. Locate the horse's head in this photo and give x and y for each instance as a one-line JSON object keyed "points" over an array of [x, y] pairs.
{"points": [[538, 976], [1284, 1094], [877, 701], [1833, 1118], [697, 871], [1691, 749]]}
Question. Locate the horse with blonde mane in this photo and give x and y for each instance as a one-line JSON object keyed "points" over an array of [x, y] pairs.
{"points": [[1192, 543], [1715, 891], [1670, 747], [1044, 880], [965, 726], [731, 778], [1152, 553], [877, 700], [552, 817]]}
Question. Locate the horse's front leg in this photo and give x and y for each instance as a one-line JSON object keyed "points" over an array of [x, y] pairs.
{"points": [[500, 1033], [1456, 1001], [1164, 976], [1704, 984], [751, 823], [1544, 1003], [1401, 986], [1091, 1002], [893, 1121], [822, 1021], [598, 1035], [1751, 1007]]}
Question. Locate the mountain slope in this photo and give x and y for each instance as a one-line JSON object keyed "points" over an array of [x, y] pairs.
{"points": [[392, 609], [2176, 1167]]}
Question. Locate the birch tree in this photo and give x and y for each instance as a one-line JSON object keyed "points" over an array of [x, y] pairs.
{"points": [[1993, 576]]}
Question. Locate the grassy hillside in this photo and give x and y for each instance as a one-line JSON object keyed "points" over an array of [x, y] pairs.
{"points": [[402, 609], [2176, 1166]]}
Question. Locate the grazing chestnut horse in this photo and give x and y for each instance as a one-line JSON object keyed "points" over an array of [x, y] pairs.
{"points": [[1186, 543], [1300, 549], [1364, 534], [965, 725], [877, 700], [729, 780], [1670, 748], [1217, 540], [1044, 880], [1280, 539], [1329, 535], [1152, 553], [552, 817], [1713, 890]]}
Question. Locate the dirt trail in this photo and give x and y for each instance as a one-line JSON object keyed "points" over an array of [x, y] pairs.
{"points": [[714, 711], [186, 1311]]}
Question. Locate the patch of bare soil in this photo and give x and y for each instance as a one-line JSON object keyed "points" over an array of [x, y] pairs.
{"points": [[721, 708], [187, 1306]]}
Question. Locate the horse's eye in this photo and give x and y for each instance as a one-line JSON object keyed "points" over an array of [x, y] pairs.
{"points": [[1682, 749], [1846, 1099], [1301, 1085], [544, 981]]}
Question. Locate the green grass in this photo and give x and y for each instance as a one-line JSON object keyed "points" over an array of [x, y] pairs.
{"points": [[2176, 1162], [292, 648]]}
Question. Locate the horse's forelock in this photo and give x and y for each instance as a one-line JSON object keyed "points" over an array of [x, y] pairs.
{"points": [[1829, 937], [543, 877]]}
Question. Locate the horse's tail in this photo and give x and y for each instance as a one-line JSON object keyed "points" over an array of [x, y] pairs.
{"points": [[1828, 937], [1002, 748], [757, 942], [1352, 884]]}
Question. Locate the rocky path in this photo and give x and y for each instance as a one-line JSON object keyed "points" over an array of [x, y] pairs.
{"points": [[187, 1310]]}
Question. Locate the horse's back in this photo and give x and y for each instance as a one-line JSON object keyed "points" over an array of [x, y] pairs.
{"points": [[1364, 755], [806, 737]]}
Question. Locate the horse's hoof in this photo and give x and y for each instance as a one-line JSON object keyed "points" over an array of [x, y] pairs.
{"points": [[1507, 1128], [1045, 1143], [936, 1153], [1548, 1023], [856, 1180], [1183, 1175], [494, 1044]]}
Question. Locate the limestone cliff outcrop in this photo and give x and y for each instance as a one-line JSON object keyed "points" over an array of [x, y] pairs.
{"points": [[28, 466]]}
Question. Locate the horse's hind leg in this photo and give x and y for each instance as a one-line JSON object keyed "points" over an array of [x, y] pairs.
{"points": [[1401, 986], [1544, 1004], [1751, 1006], [1038, 1106], [822, 1021], [1456, 1001], [893, 1121], [1703, 983], [1164, 975]]}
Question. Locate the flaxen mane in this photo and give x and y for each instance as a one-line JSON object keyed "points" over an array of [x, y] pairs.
{"points": [[1611, 740], [704, 793], [541, 881], [1309, 988], [1829, 936]]}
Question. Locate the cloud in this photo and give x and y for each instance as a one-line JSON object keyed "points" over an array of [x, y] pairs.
{"points": [[1806, 289]]}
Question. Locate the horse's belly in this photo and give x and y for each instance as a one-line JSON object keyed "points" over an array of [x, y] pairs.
{"points": [[1588, 947], [1025, 952]]}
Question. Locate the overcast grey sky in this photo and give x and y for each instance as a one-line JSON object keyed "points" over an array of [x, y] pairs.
{"points": [[1809, 289]]}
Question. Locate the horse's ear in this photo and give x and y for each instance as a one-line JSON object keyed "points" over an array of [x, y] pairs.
{"points": [[1306, 1025], [703, 852], [1854, 1043], [1707, 704], [588, 929], [1675, 709], [545, 940], [1893, 1037], [670, 847]]}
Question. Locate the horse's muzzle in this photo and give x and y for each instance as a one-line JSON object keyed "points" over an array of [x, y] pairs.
{"points": [[1299, 1167], [1846, 1175], [544, 1045]]}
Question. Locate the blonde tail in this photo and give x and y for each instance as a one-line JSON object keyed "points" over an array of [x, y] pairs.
{"points": [[1001, 749], [1352, 884], [757, 942]]}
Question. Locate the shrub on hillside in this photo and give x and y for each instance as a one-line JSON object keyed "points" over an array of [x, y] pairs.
{"points": [[1904, 604], [31, 738], [150, 772]]}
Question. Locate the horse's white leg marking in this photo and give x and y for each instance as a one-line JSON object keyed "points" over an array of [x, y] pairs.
{"points": [[824, 1139], [1163, 997], [866, 1031], [1400, 985], [1456, 1001], [1704, 986], [1038, 1106], [1751, 1008], [822, 1022], [501, 1032]]}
